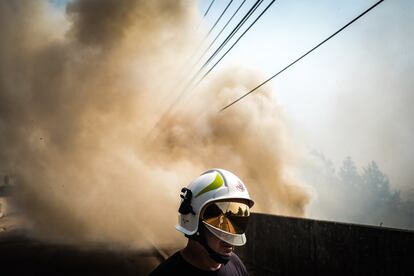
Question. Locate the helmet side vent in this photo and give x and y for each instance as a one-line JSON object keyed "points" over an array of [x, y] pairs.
{"points": [[185, 207]]}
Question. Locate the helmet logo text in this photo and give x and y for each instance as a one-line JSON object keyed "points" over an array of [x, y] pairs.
{"points": [[240, 187]]}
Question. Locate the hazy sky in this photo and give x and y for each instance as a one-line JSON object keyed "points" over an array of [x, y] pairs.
{"points": [[353, 95], [83, 99]]}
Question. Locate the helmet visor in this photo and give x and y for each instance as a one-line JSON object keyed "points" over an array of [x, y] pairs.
{"points": [[231, 217]]}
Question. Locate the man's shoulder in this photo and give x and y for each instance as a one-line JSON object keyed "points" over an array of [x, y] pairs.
{"points": [[236, 259], [176, 265], [169, 265], [234, 267]]}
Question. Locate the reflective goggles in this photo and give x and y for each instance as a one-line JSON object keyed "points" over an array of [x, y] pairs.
{"points": [[231, 217]]}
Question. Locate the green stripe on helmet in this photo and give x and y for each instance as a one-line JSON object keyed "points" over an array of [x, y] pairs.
{"points": [[217, 183]]}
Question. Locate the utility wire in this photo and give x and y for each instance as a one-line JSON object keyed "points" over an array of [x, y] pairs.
{"points": [[203, 40], [233, 32], [206, 36], [215, 64], [194, 77], [221, 31], [308, 52], [215, 39], [204, 16], [209, 7], [202, 78], [190, 82], [188, 85], [242, 21], [218, 19]]}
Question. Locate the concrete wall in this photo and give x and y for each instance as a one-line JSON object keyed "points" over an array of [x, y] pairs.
{"points": [[275, 246], [20, 255], [292, 246]]}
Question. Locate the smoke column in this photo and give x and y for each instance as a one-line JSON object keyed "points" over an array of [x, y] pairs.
{"points": [[79, 96]]}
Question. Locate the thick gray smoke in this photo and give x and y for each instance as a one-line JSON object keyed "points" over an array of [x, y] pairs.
{"points": [[79, 97]]}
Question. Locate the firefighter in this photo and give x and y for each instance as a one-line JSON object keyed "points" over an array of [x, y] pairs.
{"points": [[213, 215]]}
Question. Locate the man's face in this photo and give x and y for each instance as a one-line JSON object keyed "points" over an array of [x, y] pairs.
{"points": [[218, 245]]}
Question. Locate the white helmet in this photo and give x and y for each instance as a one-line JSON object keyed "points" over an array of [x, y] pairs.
{"points": [[225, 192]]}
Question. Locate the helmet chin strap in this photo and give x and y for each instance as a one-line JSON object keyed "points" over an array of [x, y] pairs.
{"points": [[222, 259], [202, 239]]}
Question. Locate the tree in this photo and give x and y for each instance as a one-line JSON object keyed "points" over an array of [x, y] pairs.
{"points": [[348, 173], [376, 182], [357, 195]]}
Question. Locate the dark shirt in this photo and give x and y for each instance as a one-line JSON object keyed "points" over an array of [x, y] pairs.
{"points": [[176, 265]]}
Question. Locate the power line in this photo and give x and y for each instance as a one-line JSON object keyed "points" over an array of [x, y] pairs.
{"points": [[230, 36], [211, 29], [209, 7], [252, 10], [221, 31], [308, 52], [257, 18], [188, 85], [208, 48], [204, 16], [218, 19], [194, 77]]}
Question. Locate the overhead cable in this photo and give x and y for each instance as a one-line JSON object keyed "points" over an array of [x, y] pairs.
{"points": [[209, 7], [194, 77], [219, 18], [298, 59], [242, 21], [222, 29], [233, 32], [217, 62]]}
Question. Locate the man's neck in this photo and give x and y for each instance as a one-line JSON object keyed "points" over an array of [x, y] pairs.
{"points": [[195, 254]]}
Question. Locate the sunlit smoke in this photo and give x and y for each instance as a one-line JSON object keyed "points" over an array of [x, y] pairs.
{"points": [[79, 98]]}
